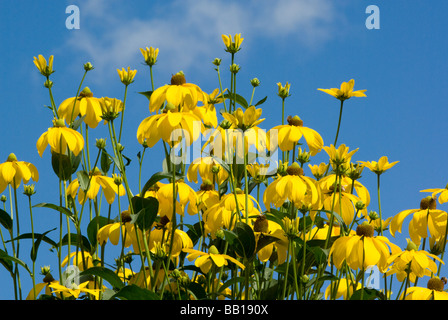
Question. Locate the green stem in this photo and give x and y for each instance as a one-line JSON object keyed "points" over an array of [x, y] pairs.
{"points": [[339, 123]]}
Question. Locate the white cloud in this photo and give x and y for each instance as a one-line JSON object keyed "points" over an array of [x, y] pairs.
{"points": [[189, 31]]}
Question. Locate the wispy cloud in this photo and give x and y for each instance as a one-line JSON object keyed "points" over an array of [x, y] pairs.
{"points": [[188, 31]]}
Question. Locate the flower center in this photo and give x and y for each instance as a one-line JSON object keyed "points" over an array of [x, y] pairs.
{"points": [[178, 79], [365, 229], [428, 203], [207, 185], [86, 93], [294, 170], [295, 121], [125, 216], [435, 284], [261, 224], [12, 157]]}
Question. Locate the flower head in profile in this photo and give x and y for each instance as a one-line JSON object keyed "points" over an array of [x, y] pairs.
{"points": [[60, 138], [442, 193], [232, 45], [74, 290], [345, 91], [97, 180], [185, 196], [41, 63], [288, 135], [13, 172], [379, 167], [339, 156], [244, 120], [433, 291], [205, 261], [150, 55], [110, 108], [83, 105], [208, 168], [182, 95], [362, 250], [45, 284], [126, 76]]}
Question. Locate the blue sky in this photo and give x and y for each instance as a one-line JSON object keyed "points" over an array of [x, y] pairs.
{"points": [[309, 43]]}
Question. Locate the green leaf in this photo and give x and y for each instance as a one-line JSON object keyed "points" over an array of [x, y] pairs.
{"points": [[83, 179], [106, 274], [231, 282], [156, 177], [133, 292], [245, 244], [105, 161], [147, 94], [74, 240], [146, 211], [40, 236], [63, 165], [238, 99], [4, 257], [7, 263], [92, 229], [5, 220], [35, 247], [367, 294], [265, 240], [75, 124], [261, 101], [60, 209]]}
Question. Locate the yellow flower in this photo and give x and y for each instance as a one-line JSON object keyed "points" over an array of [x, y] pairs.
{"points": [[345, 92], [339, 156], [83, 260], [264, 227], [48, 279], [208, 169], [426, 218], [318, 171], [83, 105], [150, 55], [244, 120], [171, 127], [126, 76], [206, 198], [258, 171], [110, 189], [179, 93], [434, 291], [362, 250], [118, 231], [161, 237], [232, 46], [186, 196], [206, 260], [416, 263], [295, 187], [380, 166], [13, 172], [110, 108], [443, 193], [74, 290], [288, 135], [44, 68], [344, 289], [60, 139]]}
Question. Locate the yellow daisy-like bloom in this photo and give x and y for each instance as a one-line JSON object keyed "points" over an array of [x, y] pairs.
{"points": [[442, 193], [78, 260], [294, 186], [426, 218], [416, 263], [13, 172], [110, 108], [206, 198], [205, 261], [345, 91], [60, 138], [161, 237], [48, 279], [222, 214], [258, 171], [344, 289], [150, 55], [179, 93], [171, 127], [264, 227], [287, 136], [185, 196], [244, 120], [118, 231], [83, 105], [362, 250], [380, 166], [126, 76], [339, 156], [44, 68], [208, 112], [208, 169], [433, 291], [318, 171], [232, 45], [322, 233], [75, 290], [97, 180]]}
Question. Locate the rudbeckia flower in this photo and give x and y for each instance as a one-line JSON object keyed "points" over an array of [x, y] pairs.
{"points": [[83, 105], [179, 93], [344, 289], [426, 218], [171, 127], [413, 262], [208, 168], [232, 45], [185, 196], [60, 138], [160, 237], [75, 290], [110, 108], [318, 171], [264, 227], [295, 187], [48, 279], [13, 172], [339, 156], [150, 55], [244, 120], [287, 136], [442, 193], [433, 291], [205, 261], [83, 260], [126, 76], [118, 231], [362, 250], [380, 166], [97, 180], [41, 63], [207, 196], [345, 91]]}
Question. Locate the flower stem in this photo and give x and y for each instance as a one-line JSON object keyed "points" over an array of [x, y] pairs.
{"points": [[339, 123]]}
